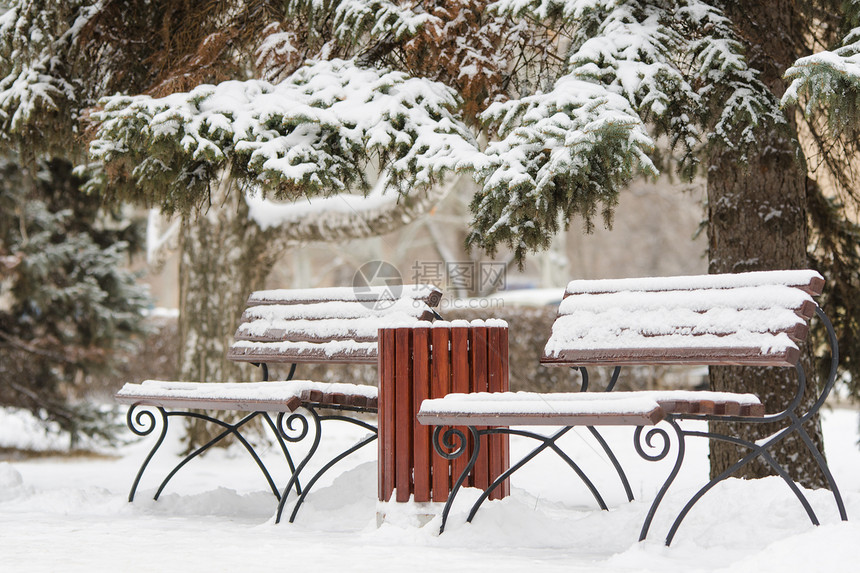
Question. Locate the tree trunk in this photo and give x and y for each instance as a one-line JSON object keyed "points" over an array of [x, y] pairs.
{"points": [[757, 220], [223, 258]]}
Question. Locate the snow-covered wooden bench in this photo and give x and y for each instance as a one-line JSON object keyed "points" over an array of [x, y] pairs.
{"points": [[738, 319], [287, 327]]}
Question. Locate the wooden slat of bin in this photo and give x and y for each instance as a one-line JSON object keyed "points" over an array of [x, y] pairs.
{"points": [[386, 415], [420, 433], [403, 415], [478, 351], [505, 387], [497, 356], [423, 370], [460, 383], [441, 386]]}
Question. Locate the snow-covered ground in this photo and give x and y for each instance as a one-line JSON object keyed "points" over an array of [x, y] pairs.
{"points": [[71, 514]]}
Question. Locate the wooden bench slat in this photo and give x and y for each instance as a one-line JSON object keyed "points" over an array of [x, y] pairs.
{"points": [[285, 352], [650, 322], [361, 330], [338, 325], [546, 419], [428, 294], [689, 356], [274, 405], [735, 319], [642, 407], [808, 281], [287, 335], [505, 409], [408, 310], [273, 396]]}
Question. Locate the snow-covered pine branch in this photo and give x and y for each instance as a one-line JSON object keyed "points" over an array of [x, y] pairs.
{"points": [[831, 80], [36, 89], [676, 66], [378, 18], [312, 134], [562, 152], [733, 105]]}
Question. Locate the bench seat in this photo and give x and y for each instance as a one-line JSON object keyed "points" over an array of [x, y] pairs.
{"points": [[285, 326], [273, 396], [744, 319], [334, 325], [756, 319], [509, 409], [582, 408]]}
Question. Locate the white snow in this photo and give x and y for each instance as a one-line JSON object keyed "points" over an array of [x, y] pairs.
{"points": [[332, 348], [466, 401], [344, 293], [722, 281], [513, 404], [272, 390], [336, 309], [749, 310], [71, 514]]}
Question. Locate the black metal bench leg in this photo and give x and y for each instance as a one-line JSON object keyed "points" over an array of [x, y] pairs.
{"points": [[547, 442], [615, 463], [318, 420], [284, 449], [144, 424], [825, 469], [303, 432], [625, 483], [662, 453], [756, 450], [228, 430], [324, 469], [443, 442]]}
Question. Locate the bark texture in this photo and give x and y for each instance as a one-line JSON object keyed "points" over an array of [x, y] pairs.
{"points": [[757, 220], [223, 258]]}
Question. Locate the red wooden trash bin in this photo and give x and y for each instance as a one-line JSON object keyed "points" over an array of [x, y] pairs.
{"points": [[430, 361]]}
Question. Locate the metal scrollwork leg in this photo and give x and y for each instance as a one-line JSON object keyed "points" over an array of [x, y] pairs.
{"points": [[625, 483], [661, 453], [291, 433], [825, 469], [280, 439], [444, 442], [287, 433], [756, 450], [354, 448], [142, 424], [228, 430], [547, 442]]}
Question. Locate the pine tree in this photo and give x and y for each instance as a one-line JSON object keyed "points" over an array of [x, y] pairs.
{"points": [[68, 306], [570, 95], [86, 50]]}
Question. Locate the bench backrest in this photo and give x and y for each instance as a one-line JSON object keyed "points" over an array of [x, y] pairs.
{"points": [[337, 324], [755, 318]]}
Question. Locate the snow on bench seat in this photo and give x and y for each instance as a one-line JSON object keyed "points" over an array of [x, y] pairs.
{"points": [[326, 324], [749, 318], [428, 294], [582, 408], [527, 408], [272, 396]]}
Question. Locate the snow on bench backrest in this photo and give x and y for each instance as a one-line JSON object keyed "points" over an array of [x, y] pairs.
{"points": [[748, 318], [326, 324]]}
